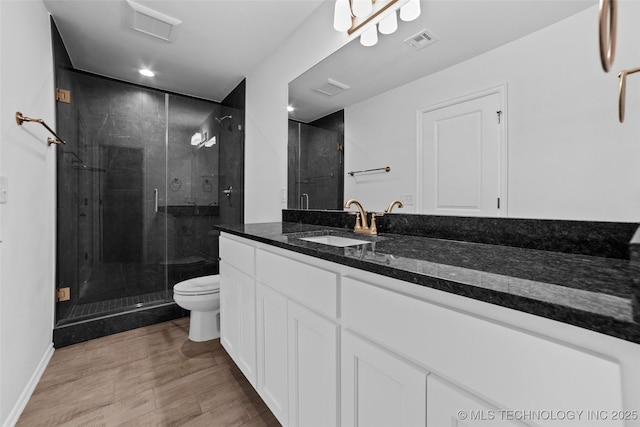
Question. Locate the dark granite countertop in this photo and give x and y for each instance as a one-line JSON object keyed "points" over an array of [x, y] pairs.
{"points": [[591, 292]]}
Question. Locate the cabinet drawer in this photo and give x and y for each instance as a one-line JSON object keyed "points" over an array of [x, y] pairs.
{"points": [[506, 365], [309, 285], [238, 254]]}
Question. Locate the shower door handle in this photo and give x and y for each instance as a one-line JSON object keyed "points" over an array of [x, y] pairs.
{"points": [[155, 200]]}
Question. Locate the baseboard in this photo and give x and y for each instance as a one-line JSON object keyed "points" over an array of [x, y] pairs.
{"points": [[15, 413]]}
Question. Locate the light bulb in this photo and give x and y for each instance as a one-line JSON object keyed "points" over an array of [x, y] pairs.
{"points": [[389, 24], [369, 37], [146, 72], [362, 8], [342, 15], [410, 11]]}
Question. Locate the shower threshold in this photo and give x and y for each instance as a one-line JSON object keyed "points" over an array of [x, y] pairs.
{"points": [[89, 327], [114, 306]]}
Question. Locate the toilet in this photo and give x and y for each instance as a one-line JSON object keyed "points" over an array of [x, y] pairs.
{"points": [[200, 295]]}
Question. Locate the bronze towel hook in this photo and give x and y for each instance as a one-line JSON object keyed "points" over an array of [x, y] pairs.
{"points": [[21, 119], [623, 90], [608, 9]]}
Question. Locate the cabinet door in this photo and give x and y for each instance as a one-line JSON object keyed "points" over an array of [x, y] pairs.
{"points": [[271, 311], [238, 319], [313, 368], [379, 388], [448, 405]]}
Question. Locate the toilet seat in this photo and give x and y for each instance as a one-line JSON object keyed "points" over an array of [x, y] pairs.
{"points": [[204, 285]]}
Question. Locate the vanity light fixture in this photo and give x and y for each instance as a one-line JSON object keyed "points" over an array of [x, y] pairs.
{"points": [[379, 15], [146, 72], [211, 142]]}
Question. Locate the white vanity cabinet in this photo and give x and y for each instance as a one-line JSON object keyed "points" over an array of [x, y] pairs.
{"points": [[238, 306], [297, 361], [296, 333], [341, 346], [380, 388], [313, 367], [272, 384], [451, 406]]}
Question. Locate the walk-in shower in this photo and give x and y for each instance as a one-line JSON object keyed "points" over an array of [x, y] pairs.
{"points": [[138, 201]]}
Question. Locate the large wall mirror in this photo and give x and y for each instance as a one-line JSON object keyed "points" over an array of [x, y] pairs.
{"points": [[532, 66]]}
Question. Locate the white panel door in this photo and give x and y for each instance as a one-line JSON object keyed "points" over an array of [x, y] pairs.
{"points": [[460, 158], [447, 405], [379, 388], [271, 312], [313, 368], [238, 319]]}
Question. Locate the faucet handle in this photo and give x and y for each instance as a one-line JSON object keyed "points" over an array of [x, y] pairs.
{"points": [[358, 225], [374, 226]]}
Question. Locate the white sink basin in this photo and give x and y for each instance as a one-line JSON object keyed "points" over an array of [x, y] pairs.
{"points": [[335, 241]]}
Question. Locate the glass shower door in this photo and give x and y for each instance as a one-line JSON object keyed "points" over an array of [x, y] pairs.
{"points": [[115, 151]]}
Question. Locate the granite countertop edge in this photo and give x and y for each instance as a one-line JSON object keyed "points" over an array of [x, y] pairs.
{"points": [[601, 323]]}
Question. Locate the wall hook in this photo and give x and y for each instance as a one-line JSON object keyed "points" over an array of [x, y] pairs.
{"points": [[608, 9], [623, 90]]}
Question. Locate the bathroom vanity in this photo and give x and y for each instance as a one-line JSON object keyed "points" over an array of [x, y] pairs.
{"points": [[408, 330]]}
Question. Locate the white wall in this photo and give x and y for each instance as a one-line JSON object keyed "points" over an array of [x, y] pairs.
{"points": [[27, 221], [568, 157], [266, 114]]}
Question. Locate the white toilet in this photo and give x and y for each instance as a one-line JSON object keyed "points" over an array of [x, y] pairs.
{"points": [[201, 295]]}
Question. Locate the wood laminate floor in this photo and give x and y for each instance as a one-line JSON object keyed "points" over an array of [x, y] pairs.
{"points": [[152, 376]]}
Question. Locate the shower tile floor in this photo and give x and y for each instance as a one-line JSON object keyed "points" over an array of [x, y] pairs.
{"points": [[94, 309]]}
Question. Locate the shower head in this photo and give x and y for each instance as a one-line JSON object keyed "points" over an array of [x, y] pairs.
{"points": [[220, 119]]}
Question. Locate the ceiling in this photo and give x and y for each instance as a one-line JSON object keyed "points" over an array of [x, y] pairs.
{"points": [[218, 43], [464, 29]]}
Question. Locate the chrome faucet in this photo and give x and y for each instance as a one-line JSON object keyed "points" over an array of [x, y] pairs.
{"points": [[394, 203], [362, 227]]}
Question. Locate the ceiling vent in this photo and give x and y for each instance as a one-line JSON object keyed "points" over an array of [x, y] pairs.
{"points": [[332, 87], [151, 22], [422, 39]]}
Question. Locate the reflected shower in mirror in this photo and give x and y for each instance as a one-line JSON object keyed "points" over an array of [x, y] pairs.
{"points": [[316, 167]]}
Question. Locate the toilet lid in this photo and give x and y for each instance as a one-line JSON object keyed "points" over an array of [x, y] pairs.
{"points": [[198, 286]]}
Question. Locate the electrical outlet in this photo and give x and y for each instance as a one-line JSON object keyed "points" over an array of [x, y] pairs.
{"points": [[408, 199], [283, 195]]}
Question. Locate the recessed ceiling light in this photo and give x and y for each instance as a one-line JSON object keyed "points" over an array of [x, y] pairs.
{"points": [[147, 73]]}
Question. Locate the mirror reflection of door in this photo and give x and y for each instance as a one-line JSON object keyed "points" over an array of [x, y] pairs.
{"points": [[460, 151]]}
